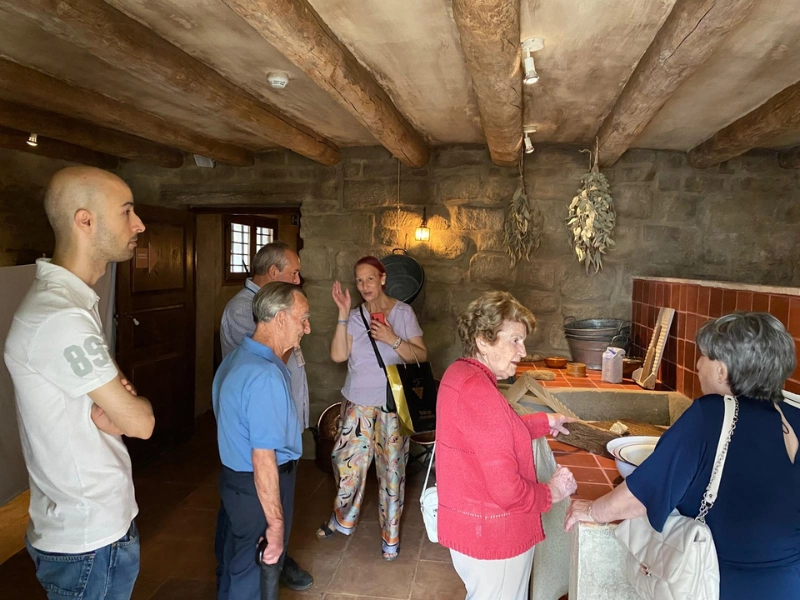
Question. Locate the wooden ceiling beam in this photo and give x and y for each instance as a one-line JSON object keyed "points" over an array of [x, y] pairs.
{"points": [[88, 135], [125, 43], [34, 88], [757, 129], [790, 159], [297, 31], [14, 139], [489, 31], [690, 34]]}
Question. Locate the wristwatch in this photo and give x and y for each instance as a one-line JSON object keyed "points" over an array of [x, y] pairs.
{"points": [[397, 343]]}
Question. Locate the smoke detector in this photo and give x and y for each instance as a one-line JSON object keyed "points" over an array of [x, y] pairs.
{"points": [[278, 79]]}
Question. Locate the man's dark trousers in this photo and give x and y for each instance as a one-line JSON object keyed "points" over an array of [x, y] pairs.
{"points": [[241, 526]]}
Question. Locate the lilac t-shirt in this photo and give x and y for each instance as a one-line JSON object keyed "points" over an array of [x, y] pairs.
{"points": [[366, 381]]}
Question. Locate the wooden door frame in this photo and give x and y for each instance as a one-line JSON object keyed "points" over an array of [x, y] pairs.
{"points": [[126, 307]]}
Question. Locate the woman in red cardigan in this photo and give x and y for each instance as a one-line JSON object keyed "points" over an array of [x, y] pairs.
{"points": [[490, 503]]}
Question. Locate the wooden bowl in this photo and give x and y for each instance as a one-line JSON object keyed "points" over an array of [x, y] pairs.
{"points": [[555, 362], [576, 370], [629, 365]]}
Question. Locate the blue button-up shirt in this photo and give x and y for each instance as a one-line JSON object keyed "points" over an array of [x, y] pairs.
{"points": [[254, 408], [238, 323]]}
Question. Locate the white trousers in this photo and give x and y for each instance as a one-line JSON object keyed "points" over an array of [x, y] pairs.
{"points": [[505, 579]]}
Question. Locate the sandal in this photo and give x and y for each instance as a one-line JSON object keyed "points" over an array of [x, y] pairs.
{"points": [[390, 556], [324, 532]]}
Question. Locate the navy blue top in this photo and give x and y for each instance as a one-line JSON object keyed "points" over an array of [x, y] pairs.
{"points": [[756, 518], [254, 407]]}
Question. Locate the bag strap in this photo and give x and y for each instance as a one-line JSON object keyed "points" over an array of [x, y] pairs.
{"points": [[728, 425], [428, 474], [371, 339]]}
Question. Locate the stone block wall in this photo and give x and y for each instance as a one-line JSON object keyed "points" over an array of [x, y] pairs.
{"points": [[735, 222]]}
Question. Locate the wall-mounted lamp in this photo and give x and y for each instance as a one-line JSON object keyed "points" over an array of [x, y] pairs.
{"points": [[530, 46], [33, 140], [527, 139], [423, 234]]}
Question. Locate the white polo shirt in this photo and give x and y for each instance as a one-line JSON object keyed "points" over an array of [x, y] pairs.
{"points": [[80, 478]]}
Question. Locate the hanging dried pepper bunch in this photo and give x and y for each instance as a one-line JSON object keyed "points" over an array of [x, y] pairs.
{"points": [[591, 217], [523, 225]]}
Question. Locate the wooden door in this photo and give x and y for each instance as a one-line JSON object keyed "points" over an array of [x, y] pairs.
{"points": [[156, 325]]}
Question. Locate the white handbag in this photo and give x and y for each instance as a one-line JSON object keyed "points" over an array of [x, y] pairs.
{"points": [[680, 563], [429, 503]]}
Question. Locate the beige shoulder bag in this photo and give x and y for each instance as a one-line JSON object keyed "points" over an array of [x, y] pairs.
{"points": [[679, 563]]}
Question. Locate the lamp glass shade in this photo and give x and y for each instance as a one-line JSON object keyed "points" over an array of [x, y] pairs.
{"points": [[422, 234]]}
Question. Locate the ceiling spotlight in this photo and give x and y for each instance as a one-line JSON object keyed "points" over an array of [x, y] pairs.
{"points": [[530, 46], [528, 143], [33, 140]]}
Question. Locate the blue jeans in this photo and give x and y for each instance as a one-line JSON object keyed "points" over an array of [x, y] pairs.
{"points": [[107, 573]]}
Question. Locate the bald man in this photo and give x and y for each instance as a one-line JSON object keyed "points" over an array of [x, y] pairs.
{"points": [[72, 402]]}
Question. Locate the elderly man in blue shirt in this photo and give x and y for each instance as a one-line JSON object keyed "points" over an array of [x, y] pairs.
{"points": [[259, 438], [275, 261]]}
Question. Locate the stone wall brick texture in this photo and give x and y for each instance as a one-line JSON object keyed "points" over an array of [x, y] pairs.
{"points": [[734, 222]]}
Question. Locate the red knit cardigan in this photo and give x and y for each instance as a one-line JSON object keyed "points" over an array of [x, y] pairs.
{"points": [[490, 502]]}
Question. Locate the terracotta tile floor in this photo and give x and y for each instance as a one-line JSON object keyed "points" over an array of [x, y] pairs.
{"points": [[178, 504]]}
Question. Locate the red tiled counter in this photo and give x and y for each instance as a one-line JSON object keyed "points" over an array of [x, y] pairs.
{"points": [[596, 475], [593, 379]]}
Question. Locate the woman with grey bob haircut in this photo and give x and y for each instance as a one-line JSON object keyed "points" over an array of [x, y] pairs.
{"points": [[756, 349], [272, 299], [755, 520]]}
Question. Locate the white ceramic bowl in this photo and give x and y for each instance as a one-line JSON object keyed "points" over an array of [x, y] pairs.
{"points": [[629, 452]]}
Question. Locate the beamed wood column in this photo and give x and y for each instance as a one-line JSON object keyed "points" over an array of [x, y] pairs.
{"points": [[489, 31], [692, 31], [297, 31], [14, 139], [123, 42], [757, 129], [790, 159], [88, 135], [34, 88]]}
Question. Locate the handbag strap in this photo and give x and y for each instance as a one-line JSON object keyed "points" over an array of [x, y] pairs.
{"points": [[728, 425], [428, 474], [371, 339]]}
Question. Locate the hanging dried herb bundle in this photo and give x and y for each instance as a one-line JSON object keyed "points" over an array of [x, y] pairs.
{"points": [[591, 217], [523, 225]]}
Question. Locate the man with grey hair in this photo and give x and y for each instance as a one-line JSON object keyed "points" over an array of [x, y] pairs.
{"points": [[259, 439], [73, 404], [273, 262]]}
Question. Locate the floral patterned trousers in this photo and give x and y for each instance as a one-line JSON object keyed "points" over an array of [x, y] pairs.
{"points": [[368, 431]]}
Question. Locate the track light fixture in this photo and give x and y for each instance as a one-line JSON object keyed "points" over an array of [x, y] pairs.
{"points": [[33, 140], [530, 46], [527, 140]]}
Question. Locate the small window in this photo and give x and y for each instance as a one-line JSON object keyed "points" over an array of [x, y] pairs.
{"points": [[244, 236]]}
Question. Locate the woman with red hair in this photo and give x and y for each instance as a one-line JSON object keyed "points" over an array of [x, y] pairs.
{"points": [[368, 429]]}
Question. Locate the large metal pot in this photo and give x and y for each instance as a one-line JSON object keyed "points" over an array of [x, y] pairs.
{"points": [[590, 352], [404, 276], [594, 329]]}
